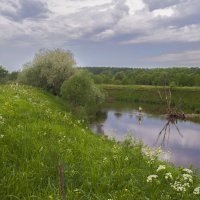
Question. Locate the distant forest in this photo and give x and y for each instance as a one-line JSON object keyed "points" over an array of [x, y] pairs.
{"points": [[138, 76], [177, 76]]}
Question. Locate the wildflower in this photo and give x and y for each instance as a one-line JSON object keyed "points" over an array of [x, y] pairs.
{"points": [[186, 185], [161, 167], [189, 171], [1, 136], [104, 159], [168, 176], [150, 178], [158, 151], [126, 159], [196, 191], [147, 151], [178, 186], [187, 177], [151, 161]]}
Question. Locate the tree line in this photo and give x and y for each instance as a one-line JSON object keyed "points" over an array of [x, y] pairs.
{"points": [[175, 76]]}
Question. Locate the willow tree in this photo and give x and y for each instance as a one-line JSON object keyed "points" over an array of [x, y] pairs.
{"points": [[48, 70]]}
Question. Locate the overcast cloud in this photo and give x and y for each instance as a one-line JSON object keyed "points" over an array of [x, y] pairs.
{"points": [[127, 33]]}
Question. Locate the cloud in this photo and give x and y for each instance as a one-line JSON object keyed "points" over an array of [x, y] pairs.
{"points": [[169, 34], [164, 12], [159, 4], [30, 25], [20, 10], [190, 57]]}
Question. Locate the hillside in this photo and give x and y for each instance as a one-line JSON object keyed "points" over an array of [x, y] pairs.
{"points": [[37, 136]]}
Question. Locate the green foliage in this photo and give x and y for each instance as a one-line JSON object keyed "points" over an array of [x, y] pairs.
{"points": [[186, 99], [36, 136], [80, 91], [48, 70], [13, 76], [140, 76], [3, 74]]}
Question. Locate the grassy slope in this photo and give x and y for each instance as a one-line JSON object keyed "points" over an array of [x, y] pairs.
{"points": [[187, 98], [36, 136]]}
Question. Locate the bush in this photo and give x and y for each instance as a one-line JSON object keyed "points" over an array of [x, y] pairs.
{"points": [[48, 70], [80, 91]]}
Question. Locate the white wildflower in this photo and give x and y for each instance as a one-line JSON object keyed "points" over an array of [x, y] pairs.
{"points": [[168, 176], [158, 151], [189, 171], [196, 191], [186, 185], [178, 186], [187, 177], [151, 161], [161, 167], [1, 136], [150, 178]]}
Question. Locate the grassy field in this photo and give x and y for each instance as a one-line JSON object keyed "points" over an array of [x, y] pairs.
{"points": [[37, 136], [186, 99]]}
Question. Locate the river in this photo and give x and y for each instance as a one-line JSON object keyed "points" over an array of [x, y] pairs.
{"points": [[180, 142]]}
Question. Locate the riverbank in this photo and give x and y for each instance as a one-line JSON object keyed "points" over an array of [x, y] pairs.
{"points": [[186, 99], [37, 137]]}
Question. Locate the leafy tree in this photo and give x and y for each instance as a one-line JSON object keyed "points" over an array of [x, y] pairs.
{"points": [[3, 74], [80, 90], [197, 80], [13, 76], [48, 70], [119, 76]]}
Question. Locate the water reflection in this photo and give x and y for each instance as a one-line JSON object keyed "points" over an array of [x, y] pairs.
{"points": [[139, 117], [179, 139], [164, 134]]}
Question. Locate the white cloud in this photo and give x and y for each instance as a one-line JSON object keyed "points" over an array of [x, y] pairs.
{"points": [[190, 57], [169, 34], [165, 12], [66, 21], [134, 6], [66, 7], [9, 6], [74, 19]]}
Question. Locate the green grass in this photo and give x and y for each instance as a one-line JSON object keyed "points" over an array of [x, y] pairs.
{"points": [[186, 99], [37, 135]]}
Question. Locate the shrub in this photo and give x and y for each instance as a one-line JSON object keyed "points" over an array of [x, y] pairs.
{"points": [[48, 70], [80, 90]]}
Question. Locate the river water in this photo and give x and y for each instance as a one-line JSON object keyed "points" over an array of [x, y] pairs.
{"points": [[180, 142]]}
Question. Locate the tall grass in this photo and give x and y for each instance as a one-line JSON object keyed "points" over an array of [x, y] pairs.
{"points": [[37, 136]]}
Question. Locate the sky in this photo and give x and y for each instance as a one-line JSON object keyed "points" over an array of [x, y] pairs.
{"points": [[117, 33]]}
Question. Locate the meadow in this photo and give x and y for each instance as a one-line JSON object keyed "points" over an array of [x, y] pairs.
{"points": [[37, 136]]}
